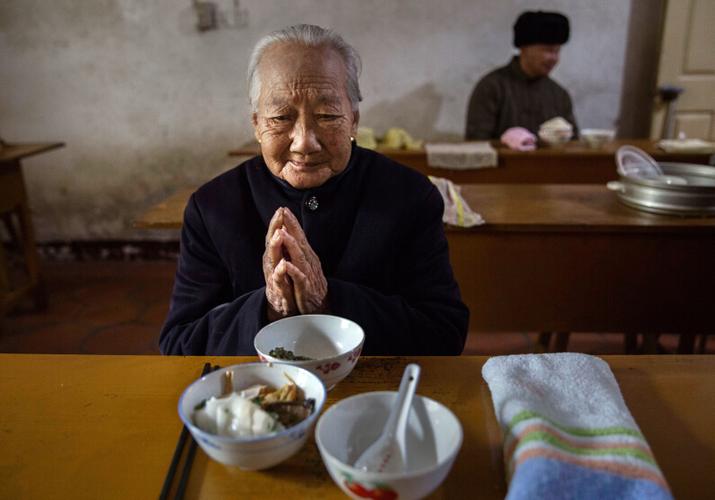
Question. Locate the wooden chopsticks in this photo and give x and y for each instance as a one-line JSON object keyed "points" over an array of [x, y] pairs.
{"points": [[178, 451]]}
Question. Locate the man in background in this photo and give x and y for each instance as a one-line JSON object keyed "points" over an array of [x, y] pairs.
{"points": [[514, 100]]}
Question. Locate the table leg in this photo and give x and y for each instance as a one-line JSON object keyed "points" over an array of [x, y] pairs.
{"points": [[4, 278], [39, 292], [10, 228], [5, 295]]}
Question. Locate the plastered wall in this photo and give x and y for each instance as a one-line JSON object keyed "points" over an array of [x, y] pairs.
{"points": [[147, 104]]}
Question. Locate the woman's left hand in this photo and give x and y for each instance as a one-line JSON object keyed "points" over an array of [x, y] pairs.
{"points": [[279, 286], [310, 288]]}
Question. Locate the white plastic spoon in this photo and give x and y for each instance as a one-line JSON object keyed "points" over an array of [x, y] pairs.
{"points": [[387, 453]]}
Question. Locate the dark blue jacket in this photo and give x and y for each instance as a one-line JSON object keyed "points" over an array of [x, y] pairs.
{"points": [[377, 230]]}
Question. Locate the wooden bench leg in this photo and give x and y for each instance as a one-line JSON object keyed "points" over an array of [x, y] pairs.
{"points": [[650, 343], [630, 343], [702, 343], [542, 342], [562, 341], [686, 344]]}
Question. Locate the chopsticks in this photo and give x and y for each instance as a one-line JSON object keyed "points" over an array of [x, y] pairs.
{"points": [[178, 451]]}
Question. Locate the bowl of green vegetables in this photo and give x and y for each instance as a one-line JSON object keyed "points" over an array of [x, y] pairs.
{"points": [[328, 346]]}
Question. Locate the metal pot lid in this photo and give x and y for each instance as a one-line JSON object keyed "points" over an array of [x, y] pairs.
{"points": [[695, 196], [634, 162]]}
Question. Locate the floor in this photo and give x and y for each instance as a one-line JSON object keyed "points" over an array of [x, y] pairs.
{"points": [[118, 307]]}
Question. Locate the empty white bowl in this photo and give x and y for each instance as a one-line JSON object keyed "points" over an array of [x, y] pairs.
{"points": [[346, 429], [333, 344], [258, 452], [597, 137]]}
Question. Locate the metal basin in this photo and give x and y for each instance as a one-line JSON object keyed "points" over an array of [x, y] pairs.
{"points": [[687, 190]]}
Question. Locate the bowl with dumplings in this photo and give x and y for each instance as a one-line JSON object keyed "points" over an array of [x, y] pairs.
{"points": [[252, 415]]}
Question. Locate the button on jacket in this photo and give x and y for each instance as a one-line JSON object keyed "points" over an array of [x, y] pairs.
{"points": [[377, 229]]}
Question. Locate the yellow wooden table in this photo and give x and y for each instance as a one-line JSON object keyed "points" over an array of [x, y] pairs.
{"points": [[572, 163], [79, 426], [15, 211]]}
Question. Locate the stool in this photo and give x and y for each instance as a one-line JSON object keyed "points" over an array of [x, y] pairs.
{"points": [[15, 213]]}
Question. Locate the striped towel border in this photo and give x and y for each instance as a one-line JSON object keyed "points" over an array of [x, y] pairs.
{"points": [[616, 449]]}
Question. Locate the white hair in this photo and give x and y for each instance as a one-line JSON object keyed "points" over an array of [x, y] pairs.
{"points": [[310, 36]]}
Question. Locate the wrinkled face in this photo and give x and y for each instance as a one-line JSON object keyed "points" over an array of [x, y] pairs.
{"points": [[304, 119], [538, 60]]}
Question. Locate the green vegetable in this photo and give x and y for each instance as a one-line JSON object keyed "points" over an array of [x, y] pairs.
{"points": [[282, 353]]}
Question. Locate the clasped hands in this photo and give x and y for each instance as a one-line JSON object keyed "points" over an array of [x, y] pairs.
{"points": [[295, 283]]}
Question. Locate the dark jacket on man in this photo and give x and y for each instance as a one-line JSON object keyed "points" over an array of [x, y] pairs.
{"points": [[377, 229], [507, 98]]}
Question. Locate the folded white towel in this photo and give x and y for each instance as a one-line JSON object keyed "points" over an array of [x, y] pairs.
{"points": [[461, 155], [686, 146], [567, 430]]}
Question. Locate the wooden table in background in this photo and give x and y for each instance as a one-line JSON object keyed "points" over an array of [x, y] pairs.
{"points": [[568, 258], [168, 214], [571, 258], [573, 163], [78, 426], [14, 204]]}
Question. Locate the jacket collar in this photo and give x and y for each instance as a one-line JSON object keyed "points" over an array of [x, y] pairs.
{"points": [[515, 68]]}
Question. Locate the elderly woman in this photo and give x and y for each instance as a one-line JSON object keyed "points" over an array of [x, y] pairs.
{"points": [[315, 224]]}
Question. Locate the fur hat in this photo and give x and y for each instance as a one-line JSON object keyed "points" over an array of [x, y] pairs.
{"points": [[548, 28]]}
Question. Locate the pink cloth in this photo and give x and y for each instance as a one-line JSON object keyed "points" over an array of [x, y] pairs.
{"points": [[519, 139]]}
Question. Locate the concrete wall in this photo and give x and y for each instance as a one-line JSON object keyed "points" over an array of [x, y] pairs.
{"points": [[146, 103]]}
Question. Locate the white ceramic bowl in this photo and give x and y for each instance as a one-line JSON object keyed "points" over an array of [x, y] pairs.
{"points": [[346, 429], [555, 137], [597, 137], [333, 343], [260, 452]]}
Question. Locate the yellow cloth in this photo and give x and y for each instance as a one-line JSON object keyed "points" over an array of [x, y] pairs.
{"points": [[366, 138], [398, 138]]}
